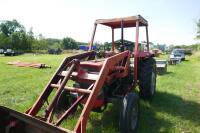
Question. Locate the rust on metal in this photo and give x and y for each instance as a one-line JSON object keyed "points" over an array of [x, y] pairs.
{"points": [[128, 21]]}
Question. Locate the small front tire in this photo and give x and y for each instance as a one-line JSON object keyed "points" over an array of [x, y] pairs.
{"points": [[129, 114]]}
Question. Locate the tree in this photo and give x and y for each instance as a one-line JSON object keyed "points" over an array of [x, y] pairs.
{"points": [[9, 27], [14, 36], [30, 39], [5, 42], [69, 43], [82, 43], [20, 41], [39, 43], [56, 45], [99, 45], [107, 46], [52, 41], [198, 30]]}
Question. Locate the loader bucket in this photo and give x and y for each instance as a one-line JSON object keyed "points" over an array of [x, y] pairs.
{"points": [[15, 122]]}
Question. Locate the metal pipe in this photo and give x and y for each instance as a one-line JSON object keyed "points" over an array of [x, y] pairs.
{"points": [[48, 89], [147, 37], [59, 121], [72, 106], [136, 53], [122, 35], [79, 90], [113, 39], [92, 39], [60, 89]]}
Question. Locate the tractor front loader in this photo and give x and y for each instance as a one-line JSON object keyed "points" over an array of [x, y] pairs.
{"points": [[83, 83]]}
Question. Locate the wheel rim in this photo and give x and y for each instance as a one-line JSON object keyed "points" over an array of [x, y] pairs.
{"points": [[134, 117], [153, 82]]}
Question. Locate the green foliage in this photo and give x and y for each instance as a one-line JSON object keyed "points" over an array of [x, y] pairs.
{"points": [[82, 43], [8, 27], [40, 44], [13, 35], [19, 41], [52, 41], [195, 47], [198, 30], [69, 43], [5, 42], [107, 46], [55, 45]]}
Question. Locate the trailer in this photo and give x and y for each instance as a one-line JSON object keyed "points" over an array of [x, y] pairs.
{"points": [[161, 66]]}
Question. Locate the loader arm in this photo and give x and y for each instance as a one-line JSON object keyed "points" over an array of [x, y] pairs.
{"points": [[112, 67], [107, 67]]}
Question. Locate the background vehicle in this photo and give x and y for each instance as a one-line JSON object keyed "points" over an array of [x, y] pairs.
{"points": [[178, 53], [1, 51], [54, 51], [9, 52]]}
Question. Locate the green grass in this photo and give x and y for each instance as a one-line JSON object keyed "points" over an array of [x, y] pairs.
{"points": [[174, 109]]}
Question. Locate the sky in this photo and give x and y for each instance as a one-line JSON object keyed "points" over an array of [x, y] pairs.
{"points": [[170, 21]]}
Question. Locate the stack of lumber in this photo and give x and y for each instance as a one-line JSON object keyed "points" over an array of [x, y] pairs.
{"points": [[28, 64]]}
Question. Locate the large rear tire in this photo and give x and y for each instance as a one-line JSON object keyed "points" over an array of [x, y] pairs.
{"points": [[129, 114], [147, 77]]}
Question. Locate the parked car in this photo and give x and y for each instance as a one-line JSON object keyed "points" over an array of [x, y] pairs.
{"points": [[10, 52], [178, 53], [1, 51], [55, 51]]}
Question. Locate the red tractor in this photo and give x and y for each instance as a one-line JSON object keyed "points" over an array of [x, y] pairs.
{"points": [[83, 83]]}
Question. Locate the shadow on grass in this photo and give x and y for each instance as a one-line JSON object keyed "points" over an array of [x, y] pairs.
{"points": [[109, 121], [168, 104], [164, 73], [176, 106], [186, 60], [150, 122]]}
